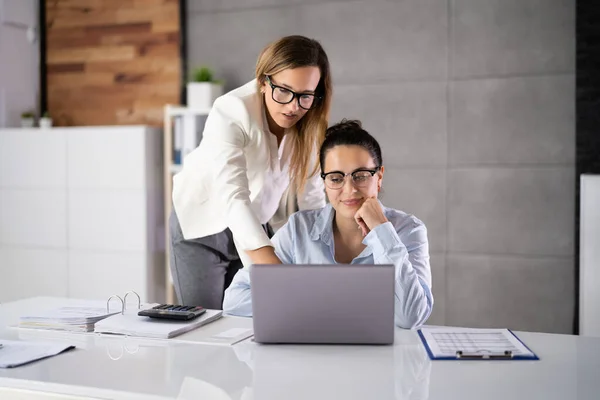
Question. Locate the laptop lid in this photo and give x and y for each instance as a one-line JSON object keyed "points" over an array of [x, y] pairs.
{"points": [[338, 303]]}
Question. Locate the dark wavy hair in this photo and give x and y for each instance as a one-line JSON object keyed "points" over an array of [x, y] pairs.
{"points": [[350, 133]]}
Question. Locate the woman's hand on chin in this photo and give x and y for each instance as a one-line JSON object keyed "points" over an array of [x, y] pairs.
{"points": [[370, 215]]}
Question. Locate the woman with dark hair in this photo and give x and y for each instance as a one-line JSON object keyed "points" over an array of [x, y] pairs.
{"points": [[259, 139], [354, 228]]}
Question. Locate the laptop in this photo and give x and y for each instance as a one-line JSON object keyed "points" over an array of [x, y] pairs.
{"points": [[341, 303]]}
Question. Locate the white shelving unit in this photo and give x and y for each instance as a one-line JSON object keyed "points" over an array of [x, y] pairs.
{"points": [[170, 169]]}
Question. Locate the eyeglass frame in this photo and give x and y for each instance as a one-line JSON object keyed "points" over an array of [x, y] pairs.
{"points": [[294, 95], [371, 171]]}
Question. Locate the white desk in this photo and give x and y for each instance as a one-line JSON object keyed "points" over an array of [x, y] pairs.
{"points": [[131, 369]]}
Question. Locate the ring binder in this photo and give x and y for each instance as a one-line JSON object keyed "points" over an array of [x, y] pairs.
{"points": [[484, 355], [123, 301], [108, 303]]}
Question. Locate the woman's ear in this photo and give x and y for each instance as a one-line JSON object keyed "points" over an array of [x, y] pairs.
{"points": [[380, 178], [263, 85]]}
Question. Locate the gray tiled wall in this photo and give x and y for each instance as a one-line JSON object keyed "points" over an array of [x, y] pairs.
{"points": [[473, 103]]}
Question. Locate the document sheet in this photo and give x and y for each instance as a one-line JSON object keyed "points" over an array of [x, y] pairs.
{"points": [[15, 353], [445, 342]]}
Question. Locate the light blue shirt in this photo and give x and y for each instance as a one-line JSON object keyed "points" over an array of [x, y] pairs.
{"points": [[307, 238]]}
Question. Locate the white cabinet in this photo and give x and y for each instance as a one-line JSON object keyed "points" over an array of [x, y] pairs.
{"points": [[81, 212], [589, 256], [28, 271]]}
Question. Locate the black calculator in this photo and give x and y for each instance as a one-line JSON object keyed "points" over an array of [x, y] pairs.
{"points": [[173, 311]]}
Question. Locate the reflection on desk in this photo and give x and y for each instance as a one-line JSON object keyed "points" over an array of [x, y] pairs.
{"points": [[337, 372], [194, 388], [218, 366]]}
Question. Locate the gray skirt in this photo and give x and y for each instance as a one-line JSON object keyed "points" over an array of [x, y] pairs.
{"points": [[203, 268]]}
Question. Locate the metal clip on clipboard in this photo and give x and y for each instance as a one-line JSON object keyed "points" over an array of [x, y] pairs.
{"points": [[484, 355]]}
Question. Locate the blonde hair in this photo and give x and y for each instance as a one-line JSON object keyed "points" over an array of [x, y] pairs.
{"points": [[308, 134]]}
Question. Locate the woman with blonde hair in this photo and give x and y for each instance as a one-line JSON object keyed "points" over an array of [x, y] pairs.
{"points": [[259, 139]]}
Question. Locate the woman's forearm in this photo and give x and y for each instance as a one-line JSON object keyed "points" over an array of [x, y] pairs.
{"points": [[263, 255]]}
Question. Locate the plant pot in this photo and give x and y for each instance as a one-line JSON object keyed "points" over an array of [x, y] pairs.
{"points": [[27, 122], [202, 95], [45, 122]]}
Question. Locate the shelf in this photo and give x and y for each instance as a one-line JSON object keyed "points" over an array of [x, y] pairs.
{"points": [[174, 111], [171, 111]]}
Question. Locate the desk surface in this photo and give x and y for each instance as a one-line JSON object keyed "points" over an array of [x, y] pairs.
{"points": [[129, 368]]}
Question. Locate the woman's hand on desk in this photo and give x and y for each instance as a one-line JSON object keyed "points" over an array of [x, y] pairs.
{"points": [[263, 255], [370, 215]]}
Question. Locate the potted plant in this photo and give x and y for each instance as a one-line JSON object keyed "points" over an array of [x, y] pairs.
{"points": [[203, 89], [27, 119], [46, 120]]}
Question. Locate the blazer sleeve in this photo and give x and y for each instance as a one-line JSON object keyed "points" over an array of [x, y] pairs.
{"points": [[226, 139]]}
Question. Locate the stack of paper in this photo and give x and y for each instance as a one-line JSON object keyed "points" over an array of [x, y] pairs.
{"points": [[133, 325], [75, 318]]}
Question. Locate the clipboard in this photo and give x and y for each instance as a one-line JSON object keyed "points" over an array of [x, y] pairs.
{"points": [[474, 344]]}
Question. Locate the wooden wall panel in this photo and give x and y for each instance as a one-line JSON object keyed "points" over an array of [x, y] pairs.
{"points": [[112, 62]]}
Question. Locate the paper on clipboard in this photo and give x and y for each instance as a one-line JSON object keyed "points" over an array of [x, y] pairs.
{"points": [[447, 343]]}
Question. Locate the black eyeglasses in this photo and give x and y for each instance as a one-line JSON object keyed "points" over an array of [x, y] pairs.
{"points": [[283, 95], [360, 178]]}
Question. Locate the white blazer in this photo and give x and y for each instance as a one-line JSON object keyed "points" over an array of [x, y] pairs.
{"points": [[222, 177]]}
